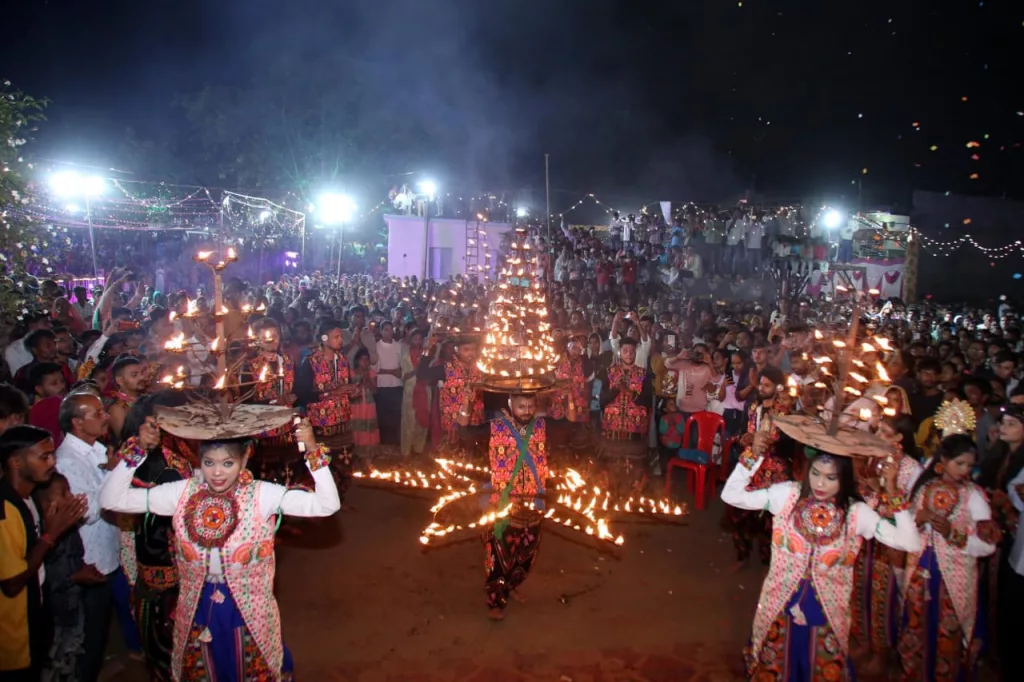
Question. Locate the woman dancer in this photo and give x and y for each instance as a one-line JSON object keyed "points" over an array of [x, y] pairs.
{"points": [[802, 625], [876, 595], [224, 529], [938, 641]]}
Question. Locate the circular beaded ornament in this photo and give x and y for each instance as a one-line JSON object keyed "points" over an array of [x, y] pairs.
{"points": [[210, 518], [819, 522], [941, 498]]}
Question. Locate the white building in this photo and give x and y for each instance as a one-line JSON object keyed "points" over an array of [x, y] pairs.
{"points": [[441, 247]]}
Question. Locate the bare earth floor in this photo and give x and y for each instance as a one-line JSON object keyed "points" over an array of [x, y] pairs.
{"points": [[361, 603]]}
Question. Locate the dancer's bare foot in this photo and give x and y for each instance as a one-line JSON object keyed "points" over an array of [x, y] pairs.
{"points": [[496, 614], [518, 598]]}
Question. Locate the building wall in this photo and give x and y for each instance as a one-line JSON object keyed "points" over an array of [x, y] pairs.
{"points": [[405, 243]]}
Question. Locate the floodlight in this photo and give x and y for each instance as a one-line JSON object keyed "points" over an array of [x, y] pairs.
{"points": [[833, 219]]}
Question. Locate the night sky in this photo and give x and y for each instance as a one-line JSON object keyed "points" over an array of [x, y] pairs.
{"points": [[636, 101]]}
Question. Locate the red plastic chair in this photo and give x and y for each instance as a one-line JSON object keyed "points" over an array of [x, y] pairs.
{"points": [[708, 424]]}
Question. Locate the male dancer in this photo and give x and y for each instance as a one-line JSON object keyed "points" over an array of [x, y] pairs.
{"points": [[762, 438], [274, 377], [625, 397], [519, 471], [323, 389], [462, 402]]}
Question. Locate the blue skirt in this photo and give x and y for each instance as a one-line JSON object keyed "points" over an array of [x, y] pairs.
{"points": [[230, 654], [800, 645]]}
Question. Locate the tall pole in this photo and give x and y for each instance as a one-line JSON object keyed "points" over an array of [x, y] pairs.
{"points": [[92, 241], [341, 248], [425, 208], [547, 191]]}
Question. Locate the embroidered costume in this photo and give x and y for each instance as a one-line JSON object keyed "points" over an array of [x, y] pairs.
{"points": [[876, 604], [519, 471], [938, 641], [457, 381], [275, 452], [147, 556], [226, 623], [329, 412], [624, 416], [571, 402], [744, 525], [802, 624]]}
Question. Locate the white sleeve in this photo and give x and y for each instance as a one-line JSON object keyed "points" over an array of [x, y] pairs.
{"points": [[79, 483], [902, 535], [1011, 490], [96, 348], [980, 511], [771, 499], [118, 495], [322, 501]]}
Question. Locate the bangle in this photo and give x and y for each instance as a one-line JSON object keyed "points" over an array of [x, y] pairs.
{"points": [[318, 458], [132, 453], [45, 538], [895, 503]]}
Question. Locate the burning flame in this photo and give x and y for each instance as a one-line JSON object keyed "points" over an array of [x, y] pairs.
{"points": [[865, 414], [220, 382]]}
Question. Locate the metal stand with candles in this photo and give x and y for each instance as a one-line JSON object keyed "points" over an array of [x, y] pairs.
{"points": [[835, 431], [218, 411]]}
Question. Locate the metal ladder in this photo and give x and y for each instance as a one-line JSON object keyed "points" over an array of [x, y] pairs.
{"points": [[477, 256]]}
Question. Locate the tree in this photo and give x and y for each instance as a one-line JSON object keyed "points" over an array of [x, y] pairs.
{"points": [[25, 245]]}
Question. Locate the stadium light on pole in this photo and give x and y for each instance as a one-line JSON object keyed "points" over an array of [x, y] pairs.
{"points": [[336, 209], [71, 184]]}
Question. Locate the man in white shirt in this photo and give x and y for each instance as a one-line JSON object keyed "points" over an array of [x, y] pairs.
{"points": [[16, 354], [754, 233], [734, 241], [83, 461], [389, 385], [357, 336]]}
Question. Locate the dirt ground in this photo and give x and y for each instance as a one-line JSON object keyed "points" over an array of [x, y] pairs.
{"points": [[360, 602]]}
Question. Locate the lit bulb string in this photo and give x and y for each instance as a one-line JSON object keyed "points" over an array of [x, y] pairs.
{"points": [[607, 209], [574, 504], [155, 202], [259, 203]]}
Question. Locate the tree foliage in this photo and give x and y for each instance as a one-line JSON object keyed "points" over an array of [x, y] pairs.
{"points": [[24, 243]]}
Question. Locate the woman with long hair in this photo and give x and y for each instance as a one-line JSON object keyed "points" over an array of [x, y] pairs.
{"points": [[226, 623], [802, 624], [737, 390], [938, 639], [876, 594], [365, 432]]}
